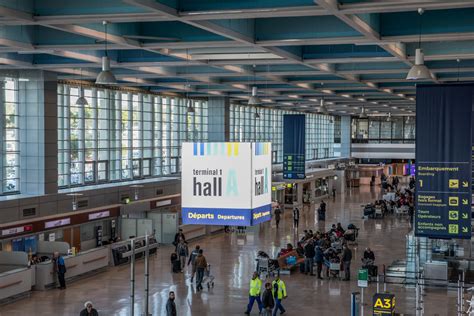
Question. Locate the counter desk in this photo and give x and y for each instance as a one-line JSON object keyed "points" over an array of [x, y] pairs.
{"points": [[80, 264], [15, 281]]}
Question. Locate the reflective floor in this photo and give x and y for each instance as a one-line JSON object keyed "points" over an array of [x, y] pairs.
{"points": [[232, 258]]}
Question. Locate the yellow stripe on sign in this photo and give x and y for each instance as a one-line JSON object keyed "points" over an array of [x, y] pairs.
{"points": [[236, 149], [265, 146], [229, 149]]}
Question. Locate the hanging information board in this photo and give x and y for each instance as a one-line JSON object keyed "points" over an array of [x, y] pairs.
{"points": [[294, 146], [443, 161]]}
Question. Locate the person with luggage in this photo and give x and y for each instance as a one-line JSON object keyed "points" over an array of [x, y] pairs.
{"points": [[60, 268], [183, 252], [192, 259], [279, 293], [296, 217], [178, 237], [346, 262], [254, 293], [277, 214], [201, 266], [268, 303]]}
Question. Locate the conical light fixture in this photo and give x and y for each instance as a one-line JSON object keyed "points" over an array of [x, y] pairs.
{"points": [[256, 115], [81, 101], [389, 117], [363, 115], [407, 120], [106, 76], [419, 71], [190, 108], [323, 108], [254, 99]]}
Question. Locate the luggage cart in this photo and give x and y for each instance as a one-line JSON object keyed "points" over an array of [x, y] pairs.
{"points": [[208, 277]]}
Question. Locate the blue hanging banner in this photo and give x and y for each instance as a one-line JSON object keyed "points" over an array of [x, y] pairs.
{"points": [[294, 133], [443, 160]]}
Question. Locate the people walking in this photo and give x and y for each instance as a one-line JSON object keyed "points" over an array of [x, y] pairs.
{"points": [[296, 217], [60, 268], [268, 303], [171, 305], [346, 262], [277, 214], [254, 293], [201, 266], [279, 293], [183, 252], [192, 260]]}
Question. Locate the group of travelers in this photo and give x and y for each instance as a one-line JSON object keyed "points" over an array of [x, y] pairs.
{"points": [[271, 300], [324, 248]]}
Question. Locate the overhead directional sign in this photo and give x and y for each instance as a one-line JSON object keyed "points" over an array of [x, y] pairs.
{"points": [[443, 161], [294, 146]]}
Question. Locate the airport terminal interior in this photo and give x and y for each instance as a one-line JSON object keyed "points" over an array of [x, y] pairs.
{"points": [[232, 157]]}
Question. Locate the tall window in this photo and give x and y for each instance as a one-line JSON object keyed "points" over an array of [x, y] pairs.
{"points": [[122, 135], [246, 126], [11, 137]]}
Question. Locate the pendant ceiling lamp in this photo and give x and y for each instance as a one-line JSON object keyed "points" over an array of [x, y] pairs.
{"points": [[106, 76], [363, 115], [189, 103], [389, 117], [419, 71], [190, 108], [254, 99], [81, 101], [256, 115], [323, 108]]}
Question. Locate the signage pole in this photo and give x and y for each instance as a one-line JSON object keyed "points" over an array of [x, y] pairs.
{"points": [[147, 273], [132, 278], [361, 301], [378, 283]]}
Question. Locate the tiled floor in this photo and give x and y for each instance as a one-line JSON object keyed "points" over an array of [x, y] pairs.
{"points": [[233, 260]]}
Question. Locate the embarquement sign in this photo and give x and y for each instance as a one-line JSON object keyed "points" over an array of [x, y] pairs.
{"points": [[443, 161]]}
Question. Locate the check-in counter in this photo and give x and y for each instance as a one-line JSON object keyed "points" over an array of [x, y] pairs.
{"points": [[80, 264], [16, 277], [214, 228], [193, 231], [16, 282]]}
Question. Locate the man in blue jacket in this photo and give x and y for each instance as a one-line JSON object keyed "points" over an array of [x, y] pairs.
{"points": [[60, 268]]}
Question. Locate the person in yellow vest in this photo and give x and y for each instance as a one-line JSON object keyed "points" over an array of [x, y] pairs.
{"points": [[254, 293], [279, 293]]}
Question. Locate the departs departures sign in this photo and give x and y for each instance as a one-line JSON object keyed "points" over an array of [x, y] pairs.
{"points": [[443, 161]]}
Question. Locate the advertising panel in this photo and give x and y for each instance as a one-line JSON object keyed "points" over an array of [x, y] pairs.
{"points": [[226, 183], [443, 161]]}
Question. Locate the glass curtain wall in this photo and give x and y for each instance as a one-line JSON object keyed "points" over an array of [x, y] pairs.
{"points": [[268, 127], [122, 135], [399, 129], [10, 162]]}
